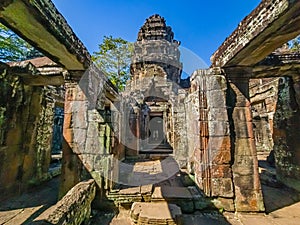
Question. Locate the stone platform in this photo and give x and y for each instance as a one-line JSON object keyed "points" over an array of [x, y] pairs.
{"points": [[160, 213]]}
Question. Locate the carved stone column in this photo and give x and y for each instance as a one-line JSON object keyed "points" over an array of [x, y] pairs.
{"points": [[248, 194]]}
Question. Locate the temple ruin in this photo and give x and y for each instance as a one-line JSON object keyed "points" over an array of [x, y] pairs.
{"points": [[166, 143]]}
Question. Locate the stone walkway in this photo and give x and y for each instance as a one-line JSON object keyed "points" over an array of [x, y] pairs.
{"points": [[25, 208], [282, 204], [286, 215]]}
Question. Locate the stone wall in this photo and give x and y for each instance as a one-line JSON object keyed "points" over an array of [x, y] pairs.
{"points": [[25, 134], [263, 97], [286, 132], [275, 110], [90, 141]]}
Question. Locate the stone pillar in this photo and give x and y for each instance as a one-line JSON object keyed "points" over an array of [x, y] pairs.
{"points": [[75, 120], [209, 140], [248, 194], [180, 130], [219, 146]]}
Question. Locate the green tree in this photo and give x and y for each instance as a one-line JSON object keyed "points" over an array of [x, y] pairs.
{"points": [[14, 48], [113, 58]]}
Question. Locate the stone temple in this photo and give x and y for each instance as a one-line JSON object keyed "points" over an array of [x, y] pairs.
{"points": [[166, 150]]}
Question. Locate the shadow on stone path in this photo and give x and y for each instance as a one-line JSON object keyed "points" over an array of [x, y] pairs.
{"points": [[25, 208], [282, 204]]}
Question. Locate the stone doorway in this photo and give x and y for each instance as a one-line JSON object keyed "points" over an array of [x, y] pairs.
{"points": [[156, 129]]}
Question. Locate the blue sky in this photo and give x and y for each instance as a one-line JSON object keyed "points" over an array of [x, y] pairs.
{"points": [[201, 26]]}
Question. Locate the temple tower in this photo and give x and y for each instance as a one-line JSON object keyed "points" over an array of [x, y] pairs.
{"points": [[156, 52], [153, 96]]}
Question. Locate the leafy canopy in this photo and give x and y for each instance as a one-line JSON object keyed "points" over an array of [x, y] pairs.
{"points": [[14, 48], [113, 58]]}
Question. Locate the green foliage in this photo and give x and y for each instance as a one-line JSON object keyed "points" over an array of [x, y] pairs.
{"points": [[295, 44], [14, 48], [113, 58]]}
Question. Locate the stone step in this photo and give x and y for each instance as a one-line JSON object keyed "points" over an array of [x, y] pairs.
{"points": [[188, 198], [131, 195], [159, 213]]}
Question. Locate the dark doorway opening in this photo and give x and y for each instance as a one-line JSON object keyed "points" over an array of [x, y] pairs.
{"points": [[156, 132]]}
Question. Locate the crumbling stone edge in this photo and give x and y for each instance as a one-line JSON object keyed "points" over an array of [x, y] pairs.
{"points": [[73, 209]]}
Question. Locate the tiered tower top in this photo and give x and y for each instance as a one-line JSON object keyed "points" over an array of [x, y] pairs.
{"points": [[155, 28]]}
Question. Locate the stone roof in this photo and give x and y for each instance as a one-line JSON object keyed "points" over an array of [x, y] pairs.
{"points": [[155, 28], [36, 62], [39, 71]]}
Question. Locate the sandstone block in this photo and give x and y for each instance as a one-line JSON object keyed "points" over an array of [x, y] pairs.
{"points": [[222, 187], [218, 128], [219, 143], [248, 200], [217, 82], [217, 114], [243, 129], [220, 157], [221, 171], [242, 114], [224, 203], [216, 98]]}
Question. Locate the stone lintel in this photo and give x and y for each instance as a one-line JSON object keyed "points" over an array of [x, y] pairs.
{"points": [[289, 69], [266, 28], [40, 80], [40, 23]]}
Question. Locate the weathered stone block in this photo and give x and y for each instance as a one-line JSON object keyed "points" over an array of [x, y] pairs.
{"points": [[216, 82], [74, 208], [88, 161], [218, 128], [222, 187], [92, 131], [224, 203], [219, 143], [80, 96], [93, 146], [70, 94], [79, 141], [243, 165], [243, 129], [220, 157], [248, 200], [245, 147], [68, 107], [245, 182], [94, 116], [221, 171], [216, 98], [242, 114], [242, 101], [79, 119], [217, 114]]}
